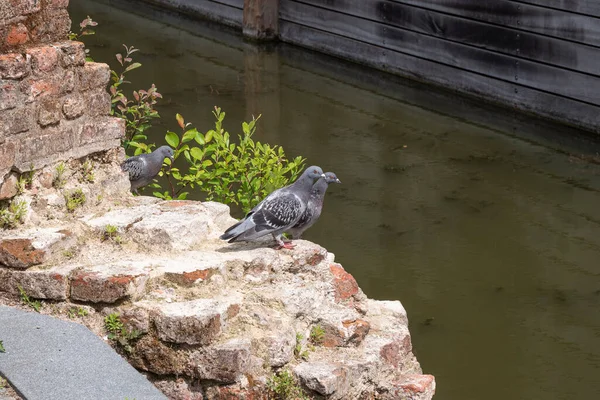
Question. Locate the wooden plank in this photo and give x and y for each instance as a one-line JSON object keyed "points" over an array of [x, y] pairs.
{"points": [[585, 7], [555, 23], [576, 56], [484, 87], [204, 9], [231, 3], [511, 69]]}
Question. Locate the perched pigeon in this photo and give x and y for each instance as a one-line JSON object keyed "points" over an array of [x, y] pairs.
{"points": [[278, 212], [143, 168], [314, 206]]}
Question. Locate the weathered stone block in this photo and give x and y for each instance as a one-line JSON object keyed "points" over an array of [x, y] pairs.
{"points": [[13, 66], [56, 3], [69, 81], [11, 9], [36, 87], [72, 53], [50, 25], [110, 282], [409, 387], [49, 112], [179, 389], [41, 146], [74, 106], [324, 378], [10, 95], [224, 363], [102, 129], [349, 333], [194, 322], [94, 75], [150, 354], [17, 120], [97, 102], [44, 58], [49, 284], [7, 157], [8, 188]]}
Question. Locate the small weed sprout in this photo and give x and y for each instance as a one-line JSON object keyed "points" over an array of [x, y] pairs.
{"points": [[75, 199], [2, 349], [35, 304], [119, 333], [12, 215], [3, 382], [317, 335], [87, 171], [59, 178], [299, 352], [24, 181], [70, 252], [285, 387], [77, 312], [111, 233]]}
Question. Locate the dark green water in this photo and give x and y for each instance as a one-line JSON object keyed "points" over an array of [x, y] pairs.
{"points": [[484, 223]]}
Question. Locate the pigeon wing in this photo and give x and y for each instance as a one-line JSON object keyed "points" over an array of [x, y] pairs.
{"points": [[278, 212], [135, 166]]}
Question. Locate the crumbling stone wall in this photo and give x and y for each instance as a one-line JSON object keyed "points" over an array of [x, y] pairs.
{"points": [[53, 104]]}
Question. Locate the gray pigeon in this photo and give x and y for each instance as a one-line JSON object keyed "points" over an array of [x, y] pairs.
{"points": [[314, 206], [143, 168], [278, 212]]}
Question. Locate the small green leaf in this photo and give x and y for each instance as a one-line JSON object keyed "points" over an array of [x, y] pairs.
{"points": [[172, 139], [196, 153], [189, 135], [132, 67]]}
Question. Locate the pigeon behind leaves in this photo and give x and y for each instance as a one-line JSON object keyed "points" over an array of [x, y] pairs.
{"points": [[144, 167], [314, 206], [278, 212]]}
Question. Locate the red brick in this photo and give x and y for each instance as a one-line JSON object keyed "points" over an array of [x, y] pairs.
{"points": [[94, 75], [49, 112], [43, 59], [10, 95], [19, 253], [13, 66], [101, 287], [344, 284], [34, 88], [74, 106], [17, 35], [102, 129], [40, 284]]}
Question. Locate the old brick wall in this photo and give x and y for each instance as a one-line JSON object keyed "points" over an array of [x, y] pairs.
{"points": [[53, 104]]}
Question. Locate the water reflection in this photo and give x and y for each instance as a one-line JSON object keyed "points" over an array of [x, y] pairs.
{"points": [[483, 222]]}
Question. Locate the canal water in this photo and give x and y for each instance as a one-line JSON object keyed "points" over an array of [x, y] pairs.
{"points": [[483, 222]]}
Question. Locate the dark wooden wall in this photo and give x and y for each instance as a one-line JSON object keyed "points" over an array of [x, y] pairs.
{"points": [[541, 56]]}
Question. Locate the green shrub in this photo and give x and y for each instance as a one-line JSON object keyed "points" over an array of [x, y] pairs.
{"points": [[75, 199], [233, 173]]}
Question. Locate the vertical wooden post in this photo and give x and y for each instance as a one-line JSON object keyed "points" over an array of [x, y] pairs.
{"points": [[261, 19], [262, 89]]}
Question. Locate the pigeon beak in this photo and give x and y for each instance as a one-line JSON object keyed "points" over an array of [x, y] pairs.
{"points": [[338, 181], [323, 176]]}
